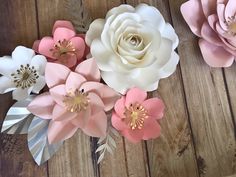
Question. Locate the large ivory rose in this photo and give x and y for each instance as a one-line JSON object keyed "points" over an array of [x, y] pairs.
{"points": [[133, 47], [214, 21]]}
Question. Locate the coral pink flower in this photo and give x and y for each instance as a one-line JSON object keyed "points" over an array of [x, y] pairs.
{"points": [[214, 21], [137, 118], [65, 47], [75, 100]]}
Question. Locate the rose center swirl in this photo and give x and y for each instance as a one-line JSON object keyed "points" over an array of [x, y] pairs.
{"points": [[25, 77], [76, 101], [135, 116]]}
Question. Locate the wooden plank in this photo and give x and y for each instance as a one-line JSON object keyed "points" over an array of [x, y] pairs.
{"points": [[173, 153], [15, 159], [207, 103], [74, 159]]}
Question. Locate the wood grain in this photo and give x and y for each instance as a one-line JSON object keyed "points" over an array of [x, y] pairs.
{"points": [[207, 103]]}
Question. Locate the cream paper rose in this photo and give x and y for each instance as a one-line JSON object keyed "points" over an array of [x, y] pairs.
{"points": [[133, 47]]}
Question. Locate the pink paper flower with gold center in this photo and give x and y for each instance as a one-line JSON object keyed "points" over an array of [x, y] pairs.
{"points": [[136, 117], [75, 100], [65, 47], [214, 21]]}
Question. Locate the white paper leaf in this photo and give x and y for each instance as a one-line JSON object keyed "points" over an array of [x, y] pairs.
{"points": [[79, 15], [38, 144], [18, 118], [100, 148], [101, 157]]}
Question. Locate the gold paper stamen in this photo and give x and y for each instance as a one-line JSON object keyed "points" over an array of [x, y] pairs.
{"points": [[76, 101], [25, 77], [63, 49], [231, 25], [135, 116]]}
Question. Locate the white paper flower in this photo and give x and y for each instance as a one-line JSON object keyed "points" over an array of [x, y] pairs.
{"points": [[133, 47], [23, 73]]}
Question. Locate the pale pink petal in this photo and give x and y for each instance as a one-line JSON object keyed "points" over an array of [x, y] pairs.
{"points": [[155, 107], [215, 56], [56, 74], [82, 118], [74, 81], [230, 9], [193, 15], [221, 16], [152, 129], [209, 7], [212, 19], [63, 33], [79, 45], [135, 95], [45, 45], [97, 125], [118, 123], [210, 35], [60, 113], [35, 46], [96, 103], [134, 136], [120, 107], [62, 24], [59, 131], [42, 106], [58, 93], [107, 94], [69, 61], [89, 69]]}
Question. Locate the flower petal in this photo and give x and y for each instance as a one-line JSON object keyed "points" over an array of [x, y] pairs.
{"points": [[35, 46], [63, 33], [21, 94], [120, 107], [39, 62], [152, 129], [82, 118], [134, 136], [62, 24], [60, 113], [107, 94], [45, 45], [22, 55], [6, 85], [7, 66], [117, 122], [135, 95], [120, 9], [94, 31], [230, 9], [169, 33], [209, 34], [89, 69], [74, 81], [97, 125], [209, 7], [215, 56], [59, 131], [95, 103], [193, 14], [79, 45], [155, 107], [42, 106], [39, 85], [58, 94], [56, 74]]}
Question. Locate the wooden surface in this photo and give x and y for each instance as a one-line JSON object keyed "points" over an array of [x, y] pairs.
{"points": [[198, 131]]}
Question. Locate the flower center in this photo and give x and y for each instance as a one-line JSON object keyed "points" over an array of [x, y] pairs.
{"points": [[135, 116], [25, 77], [63, 49], [134, 39], [76, 101], [231, 25]]}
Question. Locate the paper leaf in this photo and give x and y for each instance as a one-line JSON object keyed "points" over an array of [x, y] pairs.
{"points": [[107, 143], [79, 15], [18, 118], [38, 144]]}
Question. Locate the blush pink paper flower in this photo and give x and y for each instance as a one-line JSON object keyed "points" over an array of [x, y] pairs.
{"points": [[75, 100], [136, 117], [65, 47], [214, 21]]}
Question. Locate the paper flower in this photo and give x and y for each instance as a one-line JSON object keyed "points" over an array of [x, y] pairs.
{"points": [[75, 100], [136, 117], [22, 73], [133, 47], [215, 23], [65, 47]]}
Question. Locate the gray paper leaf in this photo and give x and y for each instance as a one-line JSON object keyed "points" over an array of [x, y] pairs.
{"points": [[38, 143], [18, 118]]}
